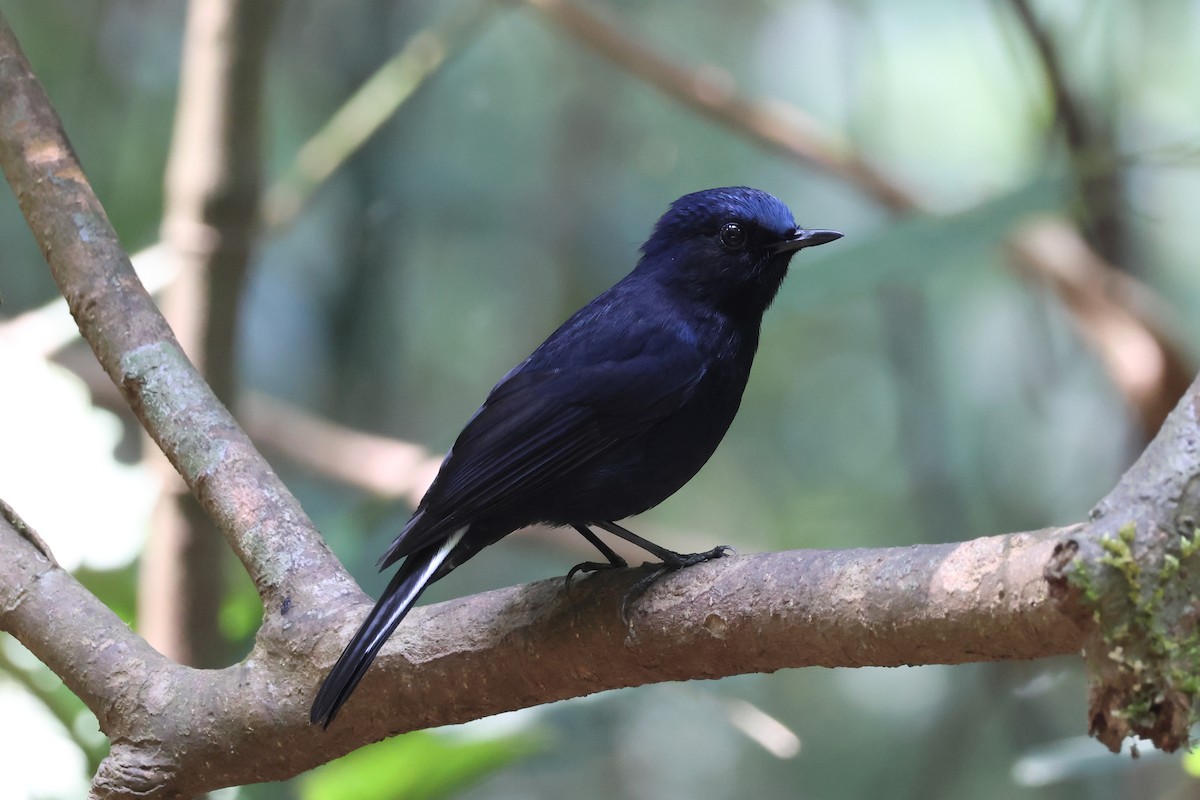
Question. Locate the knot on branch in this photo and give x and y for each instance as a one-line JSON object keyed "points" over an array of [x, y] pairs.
{"points": [[130, 771], [1143, 653]]}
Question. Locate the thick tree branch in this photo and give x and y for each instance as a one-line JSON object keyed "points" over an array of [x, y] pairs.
{"points": [[67, 628], [174, 727], [1017, 596], [263, 522], [993, 598]]}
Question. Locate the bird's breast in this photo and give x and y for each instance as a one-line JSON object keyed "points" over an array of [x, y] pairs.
{"points": [[639, 474]]}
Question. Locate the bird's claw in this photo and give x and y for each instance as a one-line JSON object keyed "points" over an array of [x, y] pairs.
{"points": [[590, 567], [677, 562]]}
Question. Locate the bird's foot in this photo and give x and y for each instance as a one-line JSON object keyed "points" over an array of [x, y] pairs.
{"points": [[675, 562], [683, 560]]}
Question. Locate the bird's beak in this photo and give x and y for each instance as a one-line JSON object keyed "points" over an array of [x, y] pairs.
{"points": [[802, 238]]}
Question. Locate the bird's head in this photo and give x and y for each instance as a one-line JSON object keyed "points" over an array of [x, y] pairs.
{"points": [[729, 247]]}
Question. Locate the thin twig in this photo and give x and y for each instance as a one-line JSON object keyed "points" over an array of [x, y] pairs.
{"points": [[1070, 114], [373, 104], [1090, 148]]}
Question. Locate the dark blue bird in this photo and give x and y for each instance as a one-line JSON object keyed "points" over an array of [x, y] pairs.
{"points": [[610, 416]]}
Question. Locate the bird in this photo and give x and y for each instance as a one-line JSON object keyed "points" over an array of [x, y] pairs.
{"points": [[612, 414]]}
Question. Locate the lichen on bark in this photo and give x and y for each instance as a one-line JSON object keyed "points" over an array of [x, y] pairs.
{"points": [[1143, 655]]}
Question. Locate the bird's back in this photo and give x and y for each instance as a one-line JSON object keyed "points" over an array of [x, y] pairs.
{"points": [[612, 414]]}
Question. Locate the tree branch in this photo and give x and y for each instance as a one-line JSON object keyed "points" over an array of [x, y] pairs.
{"points": [[263, 522], [1023, 595], [174, 728], [1014, 596], [67, 628]]}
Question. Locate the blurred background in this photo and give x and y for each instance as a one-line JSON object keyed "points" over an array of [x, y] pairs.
{"points": [[1013, 310]]}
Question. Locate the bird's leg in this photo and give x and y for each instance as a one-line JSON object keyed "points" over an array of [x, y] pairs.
{"points": [[614, 560], [671, 561]]}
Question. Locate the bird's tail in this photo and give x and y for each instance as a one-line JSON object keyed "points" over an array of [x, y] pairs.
{"points": [[405, 587]]}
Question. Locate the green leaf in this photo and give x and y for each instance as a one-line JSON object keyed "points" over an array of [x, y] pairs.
{"points": [[1191, 763], [416, 766], [116, 588]]}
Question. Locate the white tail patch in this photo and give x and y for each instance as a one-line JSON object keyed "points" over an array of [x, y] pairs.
{"points": [[451, 541]]}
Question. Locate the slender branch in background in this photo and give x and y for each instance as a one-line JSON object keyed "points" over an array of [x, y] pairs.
{"points": [[262, 521], [212, 195], [214, 175], [1069, 113], [1090, 146], [710, 92], [45, 330], [1090, 273], [385, 468], [373, 104], [1122, 322]]}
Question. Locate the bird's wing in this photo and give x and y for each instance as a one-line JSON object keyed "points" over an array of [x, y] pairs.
{"points": [[539, 423]]}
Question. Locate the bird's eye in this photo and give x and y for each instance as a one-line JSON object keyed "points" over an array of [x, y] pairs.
{"points": [[733, 236]]}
